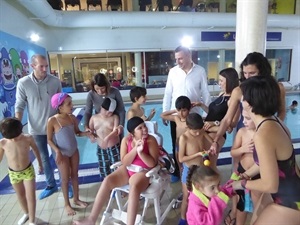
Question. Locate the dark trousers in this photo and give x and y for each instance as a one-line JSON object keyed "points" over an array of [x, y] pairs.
{"points": [[173, 136]]}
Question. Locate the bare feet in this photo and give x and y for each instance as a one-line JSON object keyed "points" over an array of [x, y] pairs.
{"points": [[70, 211], [81, 203], [85, 221]]}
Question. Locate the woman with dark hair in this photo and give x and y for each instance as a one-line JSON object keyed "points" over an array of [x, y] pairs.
{"points": [[100, 89], [279, 173], [228, 80], [255, 64]]}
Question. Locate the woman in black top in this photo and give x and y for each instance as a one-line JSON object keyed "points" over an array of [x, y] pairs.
{"points": [[228, 80]]}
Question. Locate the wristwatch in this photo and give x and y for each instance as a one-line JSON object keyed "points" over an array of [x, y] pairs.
{"points": [[217, 123]]}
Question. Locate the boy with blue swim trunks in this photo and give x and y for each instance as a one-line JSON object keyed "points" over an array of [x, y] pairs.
{"points": [[192, 145], [183, 106], [16, 147]]}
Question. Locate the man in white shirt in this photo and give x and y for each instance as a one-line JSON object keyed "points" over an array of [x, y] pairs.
{"points": [[188, 79]]}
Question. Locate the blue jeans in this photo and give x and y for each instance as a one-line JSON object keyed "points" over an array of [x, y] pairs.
{"points": [[41, 142]]}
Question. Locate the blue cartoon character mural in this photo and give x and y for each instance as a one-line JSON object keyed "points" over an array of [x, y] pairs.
{"points": [[8, 82], [4, 112], [25, 63], [16, 63]]}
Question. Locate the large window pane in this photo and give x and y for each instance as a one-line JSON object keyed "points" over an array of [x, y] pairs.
{"points": [[150, 69], [280, 60], [209, 59]]}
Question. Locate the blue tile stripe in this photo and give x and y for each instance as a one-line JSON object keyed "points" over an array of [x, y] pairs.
{"points": [[6, 188]]}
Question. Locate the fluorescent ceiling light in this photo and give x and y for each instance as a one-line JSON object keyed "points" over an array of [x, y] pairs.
{"points": [[34, 37], [187, 41]]}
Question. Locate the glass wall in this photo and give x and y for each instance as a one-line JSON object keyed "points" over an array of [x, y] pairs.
{"points": [[280, 60], [149, 69]]}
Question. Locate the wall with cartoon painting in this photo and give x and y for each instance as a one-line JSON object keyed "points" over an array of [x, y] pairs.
{"points": [[15, 54]]}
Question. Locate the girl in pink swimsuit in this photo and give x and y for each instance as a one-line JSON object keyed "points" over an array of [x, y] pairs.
{"points": [[137, 148], [138, 160]]}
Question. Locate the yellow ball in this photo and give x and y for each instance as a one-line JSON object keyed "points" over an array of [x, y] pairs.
{"points": [[206, 162]]}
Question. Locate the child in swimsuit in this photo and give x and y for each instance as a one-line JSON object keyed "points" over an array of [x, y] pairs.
{"points": [[61, 131], [242, 152], [191, 148], [138, 148], [138, 98], [107, 128], [16, 146]]}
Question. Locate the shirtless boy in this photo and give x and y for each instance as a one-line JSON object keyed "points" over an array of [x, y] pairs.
{"points": [[192, 145], [106, 126], [183, 106], [242, 153], [16, 147], [138, 98]]}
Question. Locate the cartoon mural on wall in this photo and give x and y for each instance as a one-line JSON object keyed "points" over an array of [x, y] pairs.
{"points": [[25, 63], [14, 55], [8, 81], [3, 105], [16, 63]]}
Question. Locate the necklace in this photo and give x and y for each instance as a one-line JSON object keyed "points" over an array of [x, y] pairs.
{"points": [[222, 100]]}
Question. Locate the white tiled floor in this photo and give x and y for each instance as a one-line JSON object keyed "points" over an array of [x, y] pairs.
{"points": [[51, 210]]}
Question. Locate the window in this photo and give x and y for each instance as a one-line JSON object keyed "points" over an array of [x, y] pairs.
{"points": [[150, 69]]}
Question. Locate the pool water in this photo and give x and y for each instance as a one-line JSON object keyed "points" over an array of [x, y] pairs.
{"points": [[292, 119], [88, 150]]}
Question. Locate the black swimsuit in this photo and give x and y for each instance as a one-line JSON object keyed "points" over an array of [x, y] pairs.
{"points": [[218, 109], [289, 182]]}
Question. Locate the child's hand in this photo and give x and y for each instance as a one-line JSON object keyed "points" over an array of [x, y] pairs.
{"points": [[235, 185], [93, 137], [229, 129], [248, 147], [88, 129], [195, 104], [165, 122], [119, 129], [229, 189], [208, 125], [139, 146], [41, 169], [116, 131], [213, 149], [88, 134], [152, 113], [59, 158]]}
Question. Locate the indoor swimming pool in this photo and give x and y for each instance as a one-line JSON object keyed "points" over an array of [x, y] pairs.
{"points": [[88, 150], [88, 168]]}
